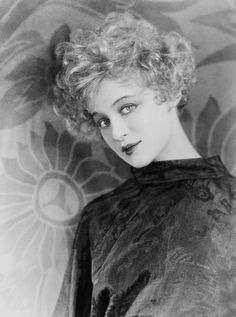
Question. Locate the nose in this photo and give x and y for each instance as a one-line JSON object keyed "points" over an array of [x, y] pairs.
{"points": [[119, 129]]}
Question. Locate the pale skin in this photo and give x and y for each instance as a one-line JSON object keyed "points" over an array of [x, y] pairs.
{"points": [[127, 113]]}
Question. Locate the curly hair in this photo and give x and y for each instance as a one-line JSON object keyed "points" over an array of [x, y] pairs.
{"points": [[121, 46]]}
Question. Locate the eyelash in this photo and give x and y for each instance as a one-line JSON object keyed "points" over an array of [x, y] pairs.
{"points": [[99, 123], [130, 106]]}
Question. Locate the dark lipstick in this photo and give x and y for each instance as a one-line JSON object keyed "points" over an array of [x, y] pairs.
{"points": [[129, 148]]}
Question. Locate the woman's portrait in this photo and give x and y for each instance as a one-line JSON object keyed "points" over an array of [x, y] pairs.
{"points": [[118, 191]]}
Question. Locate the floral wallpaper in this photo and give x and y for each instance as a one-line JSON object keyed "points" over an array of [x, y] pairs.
{"points": [[47, 176]]}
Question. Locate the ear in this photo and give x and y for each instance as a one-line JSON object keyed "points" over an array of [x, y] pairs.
{"points": [[172, 104]]}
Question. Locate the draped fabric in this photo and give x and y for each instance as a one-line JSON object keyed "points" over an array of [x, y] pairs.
{"points": [[163, 243], [48, 176]]}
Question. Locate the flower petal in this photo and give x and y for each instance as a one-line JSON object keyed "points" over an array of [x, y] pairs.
{"points": [[18, 44], [226, 54], [220, 20], [50, 143], [101, 182], [10, 230], [220, 130], [65, 144], [24, 238], [81, 150], [31, 252], [45, 250], [204, 124], [8, 200], [21, 102], [229, 149], [36, 144], [28, 68], [9, 213], [27, 161], [13, 169], [9, 185], [62, 34], [89, 167], [60, 258]]}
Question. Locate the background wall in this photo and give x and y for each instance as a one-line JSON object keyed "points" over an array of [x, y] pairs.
{"points": [[46, 175]]}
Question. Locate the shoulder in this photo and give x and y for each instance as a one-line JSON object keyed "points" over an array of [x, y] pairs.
{"points": [[211, 189], [212, 203], [105, 202], [209, 203]]}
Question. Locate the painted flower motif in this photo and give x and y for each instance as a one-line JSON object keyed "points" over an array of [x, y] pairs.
{"points": [[31, 79], [215, 133], [154, 11], [42, 193]]}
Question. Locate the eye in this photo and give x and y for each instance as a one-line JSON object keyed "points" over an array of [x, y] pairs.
{"points": [[127, 108], [103, 123]]}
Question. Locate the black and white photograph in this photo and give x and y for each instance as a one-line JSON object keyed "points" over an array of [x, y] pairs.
{"points": [[117, 158]]}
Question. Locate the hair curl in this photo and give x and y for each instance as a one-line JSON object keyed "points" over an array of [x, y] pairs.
{"points": [[121, 46]]}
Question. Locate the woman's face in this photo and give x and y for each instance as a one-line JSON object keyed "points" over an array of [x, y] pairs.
{"points": [[133, 125]]}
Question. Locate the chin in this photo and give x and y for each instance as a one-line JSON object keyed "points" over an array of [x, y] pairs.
{"points": [[139, 163]]}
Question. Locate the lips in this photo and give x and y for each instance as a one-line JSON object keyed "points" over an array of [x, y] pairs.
{"points": [[129, 148]]}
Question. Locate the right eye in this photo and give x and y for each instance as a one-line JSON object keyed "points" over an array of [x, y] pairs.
{"points": [[103, 123]]}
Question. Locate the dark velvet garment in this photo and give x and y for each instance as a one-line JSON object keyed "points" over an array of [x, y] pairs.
{"points": [[162, 244]]}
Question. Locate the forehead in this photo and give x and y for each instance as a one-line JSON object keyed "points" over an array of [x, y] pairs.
{"points": [[111, 90]]}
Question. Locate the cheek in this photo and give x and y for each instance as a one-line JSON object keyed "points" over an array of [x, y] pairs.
{"points": [[148, 121]]}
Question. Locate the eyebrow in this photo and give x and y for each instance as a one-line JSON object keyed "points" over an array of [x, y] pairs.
{"points": [[119, 99], [114, 103]]}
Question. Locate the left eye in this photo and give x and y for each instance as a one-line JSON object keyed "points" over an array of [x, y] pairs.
{"points": [[127, 108]]}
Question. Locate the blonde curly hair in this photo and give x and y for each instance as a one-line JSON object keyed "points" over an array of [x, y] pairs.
{"points": [[121, 46]]}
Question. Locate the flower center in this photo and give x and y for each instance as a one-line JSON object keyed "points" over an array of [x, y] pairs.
{"points": [[58, 199]]}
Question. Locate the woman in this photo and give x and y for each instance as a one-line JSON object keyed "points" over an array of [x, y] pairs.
{"points": [[164, 242]]}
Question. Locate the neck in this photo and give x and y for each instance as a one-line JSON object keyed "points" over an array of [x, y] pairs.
{"points": [[179, 146]]}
